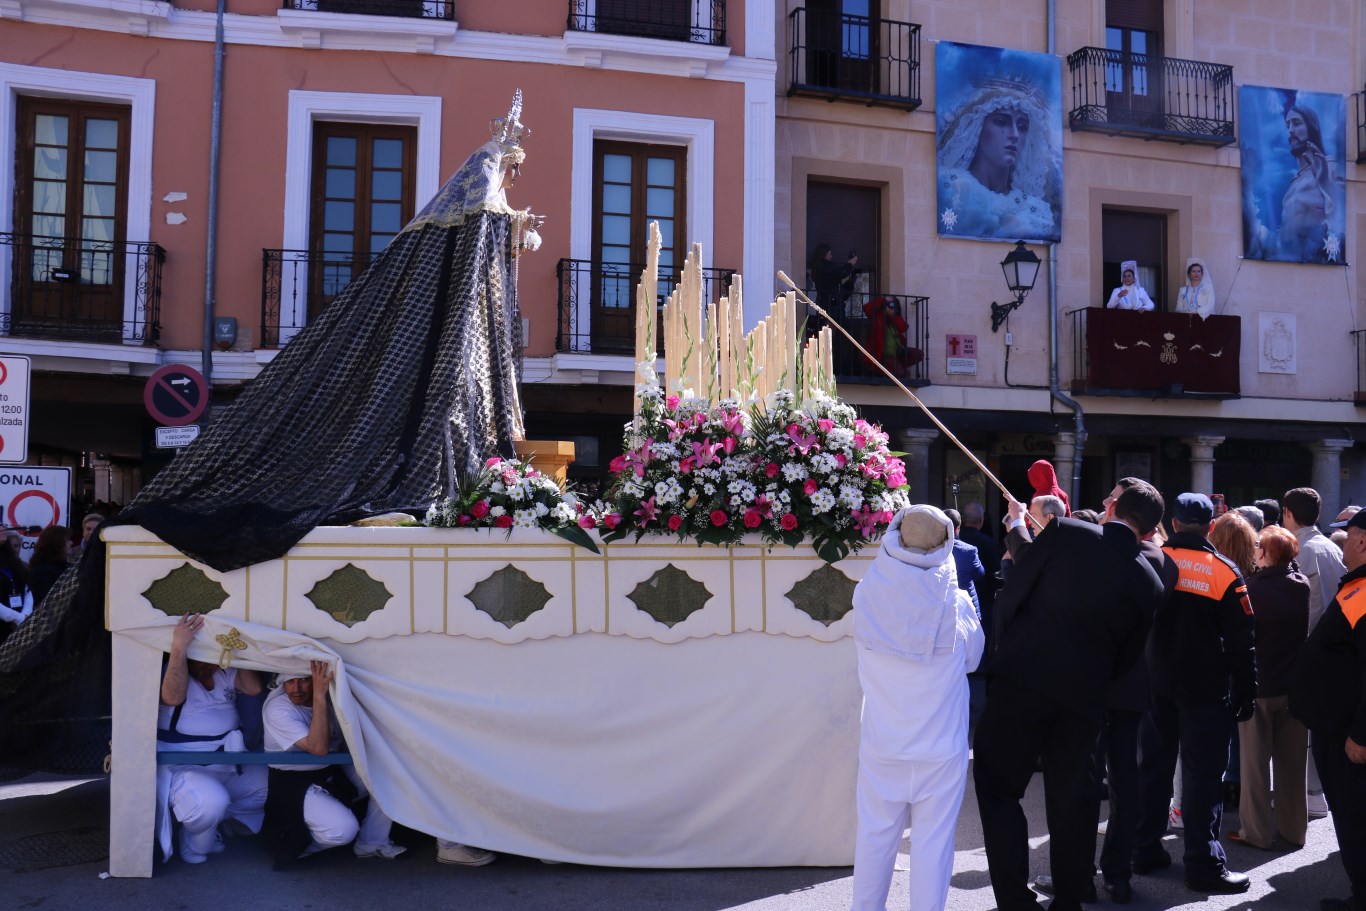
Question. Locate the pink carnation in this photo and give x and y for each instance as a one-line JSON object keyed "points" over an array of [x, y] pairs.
{"points": [[587, 522], [612, 520]]}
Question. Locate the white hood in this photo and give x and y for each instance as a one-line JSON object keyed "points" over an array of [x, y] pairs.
{"points": [[906, 604]]}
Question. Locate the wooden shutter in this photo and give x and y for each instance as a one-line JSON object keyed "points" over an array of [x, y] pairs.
{"points": [[1143, 15]]}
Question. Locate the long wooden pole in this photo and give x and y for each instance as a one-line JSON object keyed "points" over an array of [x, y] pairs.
{"points": [[831, 321]]}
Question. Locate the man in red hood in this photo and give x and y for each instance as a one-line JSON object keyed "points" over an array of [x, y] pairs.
{"points": [[1045, 481]]}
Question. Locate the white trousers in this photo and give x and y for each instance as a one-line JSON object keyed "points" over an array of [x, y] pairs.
{"points": [[331, 822], [893, 794], [203, 797]]}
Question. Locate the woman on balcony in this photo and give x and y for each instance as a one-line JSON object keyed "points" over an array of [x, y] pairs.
{"points": [[1197, 294], [887, 335], [1130, 294]]}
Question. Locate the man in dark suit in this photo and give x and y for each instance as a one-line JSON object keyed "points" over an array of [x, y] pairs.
{"points": [[1055, 653]]}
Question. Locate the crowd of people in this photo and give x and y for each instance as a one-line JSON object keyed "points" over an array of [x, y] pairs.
{"points": [[1167, 668]]}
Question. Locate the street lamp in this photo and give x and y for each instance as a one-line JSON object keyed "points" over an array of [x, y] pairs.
{"points": [[1021, 267]]}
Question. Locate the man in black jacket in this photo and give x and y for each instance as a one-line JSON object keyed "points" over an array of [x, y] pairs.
{"points": [[1055, 652], [1328, 694], [1204, 678]]}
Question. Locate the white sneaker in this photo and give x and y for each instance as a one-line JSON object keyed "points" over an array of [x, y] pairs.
{"points": [[388, 850], [1174, 818], [461, 855], [1315, 805]]}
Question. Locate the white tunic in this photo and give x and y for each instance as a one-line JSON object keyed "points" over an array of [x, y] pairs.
{"points": [[285, 724]]}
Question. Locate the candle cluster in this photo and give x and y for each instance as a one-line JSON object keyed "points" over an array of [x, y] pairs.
{"points": [[707, 354]]}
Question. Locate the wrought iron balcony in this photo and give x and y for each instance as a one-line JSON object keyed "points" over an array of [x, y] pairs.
{"points": [[1151, 97], [85, 290], [297, 285], [863, 315], [695, 21], [1359, 99], [408, 9], [596, 309], [1359, 337], [1154, 353], [853, 58]]}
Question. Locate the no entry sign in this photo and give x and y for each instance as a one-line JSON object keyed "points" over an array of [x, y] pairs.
{"points": [[14, 399], [176, 395]]}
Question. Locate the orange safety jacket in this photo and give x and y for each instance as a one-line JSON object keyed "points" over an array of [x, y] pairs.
{"points": [[1201, 645]]}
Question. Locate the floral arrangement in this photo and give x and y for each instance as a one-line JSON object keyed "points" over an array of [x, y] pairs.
{"points": [[508, 494], [787, 472]]}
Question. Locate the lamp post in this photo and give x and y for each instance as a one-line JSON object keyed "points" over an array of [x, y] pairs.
{"points": [[1021, 268]]}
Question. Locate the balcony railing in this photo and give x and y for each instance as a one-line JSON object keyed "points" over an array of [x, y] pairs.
{"points": [[83, 290], [1171, 355], [695, 21], [1359, 337], [596, 309], [408, 9], [855, 58], [296, 285], [1151, 97], [859, 315], [1359, 99]]}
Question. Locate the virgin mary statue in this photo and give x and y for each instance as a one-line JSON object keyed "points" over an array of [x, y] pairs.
{"points": [[407, 380]]}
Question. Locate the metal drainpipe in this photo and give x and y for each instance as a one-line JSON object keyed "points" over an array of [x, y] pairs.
{"points": [[1054, 389], [211, 247]]}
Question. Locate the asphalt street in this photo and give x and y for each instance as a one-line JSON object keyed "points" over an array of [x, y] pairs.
{"points": [[49, 826]]}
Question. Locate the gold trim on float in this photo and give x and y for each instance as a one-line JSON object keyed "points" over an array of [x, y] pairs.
{"points": [[606, 595], [573, 596], [763, 593], [108, 590], [246, 598], [732, 596], [412, 593], [284, 592]]}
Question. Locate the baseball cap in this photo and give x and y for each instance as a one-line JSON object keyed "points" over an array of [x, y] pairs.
{"points": [[1193, 509], [1358, 520]]}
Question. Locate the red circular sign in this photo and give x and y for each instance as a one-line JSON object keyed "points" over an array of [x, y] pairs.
{"points": [[176, 395], [28, 494]]}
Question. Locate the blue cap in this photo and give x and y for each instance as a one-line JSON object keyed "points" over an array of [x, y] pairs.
{"points": [[1193, 509]]}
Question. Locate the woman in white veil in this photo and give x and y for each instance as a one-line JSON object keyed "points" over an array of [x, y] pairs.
{"points": [[1197, 294], [998, 171], [1130, 294]]}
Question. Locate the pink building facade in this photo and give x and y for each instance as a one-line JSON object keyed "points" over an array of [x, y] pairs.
{"points": [[339, 120]]}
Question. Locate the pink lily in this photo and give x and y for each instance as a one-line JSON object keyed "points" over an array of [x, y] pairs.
{"points": [[685, 466], [802, 442], [825, 424], [865, 520], [706, 452], [648, 512], [763, 505], [733, 423], [637, 459], [728, 444], [841, 460]]}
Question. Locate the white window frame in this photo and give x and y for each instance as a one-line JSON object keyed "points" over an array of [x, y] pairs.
{"points": [[67, 85], [590, 125], [307, 108]]}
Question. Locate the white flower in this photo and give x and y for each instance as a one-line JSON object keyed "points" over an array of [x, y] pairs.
{"points": [[524, 518], [633, 489], [668, 491], [540, 509], [563, 512], [825, 463], [822, 501], [497, 487], [709, 489], [794, 471], [497, 511], [433, 514], [851, 496], [840, 437]]}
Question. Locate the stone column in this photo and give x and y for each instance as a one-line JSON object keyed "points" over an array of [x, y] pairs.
{"points": [[916, 444], [1065, 461], [1327, 476], [1202, 462]]}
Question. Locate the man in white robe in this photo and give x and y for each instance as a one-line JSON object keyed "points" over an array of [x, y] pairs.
{"points": [[918, 637]]}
